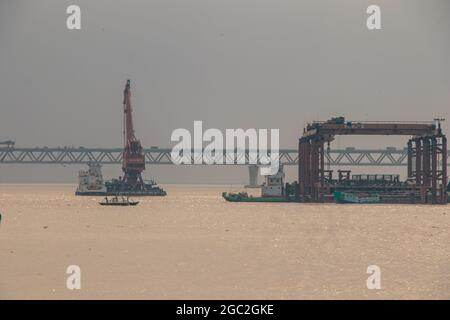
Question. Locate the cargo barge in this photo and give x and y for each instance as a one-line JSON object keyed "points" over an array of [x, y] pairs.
{"points": [[90, 183], [343, 197], [244, 197], [149, 188]]}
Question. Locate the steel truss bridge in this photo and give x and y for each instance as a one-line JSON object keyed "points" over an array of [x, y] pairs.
{"points": [[159, 156]]}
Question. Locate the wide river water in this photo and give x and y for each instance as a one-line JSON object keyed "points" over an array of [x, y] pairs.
{"points": [[194, 245]]}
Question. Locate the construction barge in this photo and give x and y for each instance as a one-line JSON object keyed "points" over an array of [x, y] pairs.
{"points": [[426, 182]]}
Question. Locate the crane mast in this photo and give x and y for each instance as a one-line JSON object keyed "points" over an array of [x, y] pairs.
{"points": [[133, 156]]}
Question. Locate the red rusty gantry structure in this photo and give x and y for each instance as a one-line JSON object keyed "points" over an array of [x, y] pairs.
{"points": [[427, 156], [133, 156]]}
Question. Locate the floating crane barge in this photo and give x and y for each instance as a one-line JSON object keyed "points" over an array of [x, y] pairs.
{"points": [[133, 164], [427, 164]]}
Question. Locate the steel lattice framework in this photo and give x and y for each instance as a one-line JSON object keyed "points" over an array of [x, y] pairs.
{"points": [[158, 156]]}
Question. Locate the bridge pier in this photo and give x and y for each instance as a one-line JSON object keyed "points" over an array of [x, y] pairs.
{"points": [[253, 171]]}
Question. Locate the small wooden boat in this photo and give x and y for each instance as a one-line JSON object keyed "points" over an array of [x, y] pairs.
{"points": [[115, 201]]}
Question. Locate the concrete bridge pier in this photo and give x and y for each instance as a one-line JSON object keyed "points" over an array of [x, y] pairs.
{"points": [[253, 171]]}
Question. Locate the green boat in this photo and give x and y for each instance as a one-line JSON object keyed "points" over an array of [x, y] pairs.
{"points": [[244, 197], [344, 197]]}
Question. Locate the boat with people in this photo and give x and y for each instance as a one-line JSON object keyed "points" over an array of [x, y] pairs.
{"points": [[116, 201]]}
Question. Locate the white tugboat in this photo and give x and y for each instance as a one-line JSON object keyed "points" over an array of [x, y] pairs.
{"points": [[273, 190], [90, 182]]}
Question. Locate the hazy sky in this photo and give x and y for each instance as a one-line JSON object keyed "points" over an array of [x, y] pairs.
{"points": [[230, 63]]}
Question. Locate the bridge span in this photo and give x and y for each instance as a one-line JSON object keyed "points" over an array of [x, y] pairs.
{"points": [[162, 156]]}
